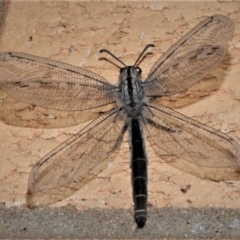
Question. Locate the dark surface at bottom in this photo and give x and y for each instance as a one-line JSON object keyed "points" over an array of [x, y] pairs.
{"points": [[67, 222]]}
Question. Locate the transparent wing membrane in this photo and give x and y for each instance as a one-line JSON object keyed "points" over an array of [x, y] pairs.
{"points": [[191, 58], [52, 84], [176, 136], [77, 161]]}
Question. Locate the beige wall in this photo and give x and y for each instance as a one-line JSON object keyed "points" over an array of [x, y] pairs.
{"points": [[74, 33]]}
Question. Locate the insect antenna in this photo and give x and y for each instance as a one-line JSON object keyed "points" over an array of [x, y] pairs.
{"points": [[144, 50], [108, 52]]}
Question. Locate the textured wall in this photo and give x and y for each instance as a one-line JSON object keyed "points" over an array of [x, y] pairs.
{"points": [[74, 32]]}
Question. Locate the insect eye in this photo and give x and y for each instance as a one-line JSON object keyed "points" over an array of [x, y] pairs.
{"points": [[139, 70]]}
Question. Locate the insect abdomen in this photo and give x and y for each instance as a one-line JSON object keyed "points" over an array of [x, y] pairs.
{"points": [[139, 173]]}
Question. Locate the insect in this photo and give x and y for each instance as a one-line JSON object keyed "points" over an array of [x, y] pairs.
{"points": [[182, 142]]}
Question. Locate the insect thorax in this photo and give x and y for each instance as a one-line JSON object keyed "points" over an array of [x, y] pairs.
{"points": [[131, 92]]}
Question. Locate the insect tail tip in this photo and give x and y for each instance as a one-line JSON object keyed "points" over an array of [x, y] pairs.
{"points": [[140, 220]]}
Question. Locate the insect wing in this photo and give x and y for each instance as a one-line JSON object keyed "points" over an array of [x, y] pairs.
{"points": [[52, 84], [191, 146], [77, 161], [191, 58]]}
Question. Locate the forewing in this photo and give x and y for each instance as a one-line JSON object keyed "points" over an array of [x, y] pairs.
{"points": [[191, 146], [52, 84], [77, 161], [191, 58]]}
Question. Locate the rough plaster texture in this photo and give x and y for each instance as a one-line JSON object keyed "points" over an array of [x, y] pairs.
{"points": [[74, 32]]}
